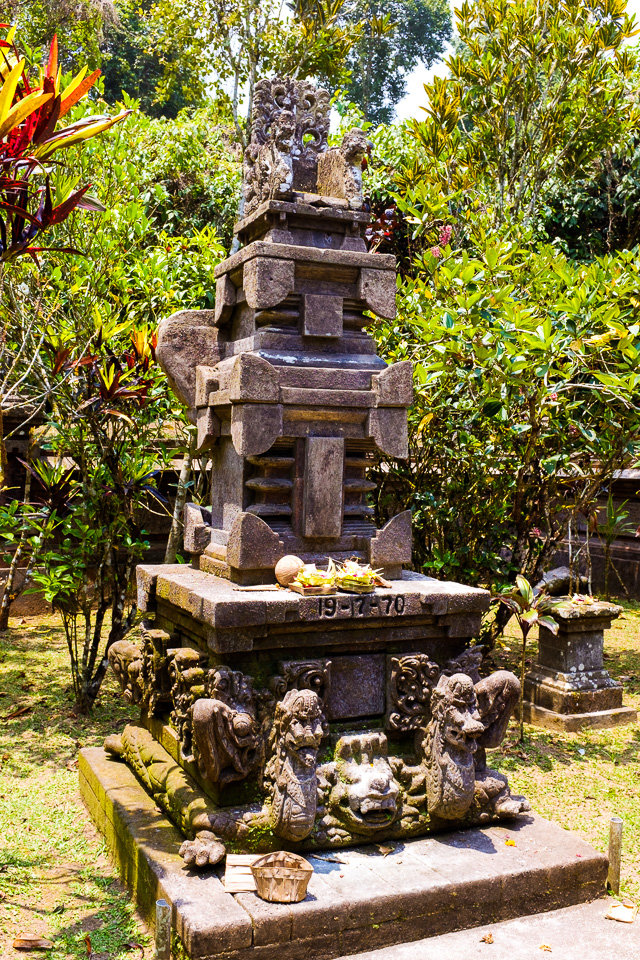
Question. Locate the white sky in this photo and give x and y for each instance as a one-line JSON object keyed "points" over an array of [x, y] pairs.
{"points": [[410, 104]]}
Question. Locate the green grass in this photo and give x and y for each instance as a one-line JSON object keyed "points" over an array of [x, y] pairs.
{"points": [[583, 779], [55, 878]]}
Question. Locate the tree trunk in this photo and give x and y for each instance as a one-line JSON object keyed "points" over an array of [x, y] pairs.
{"points": [[3, 452], [7, 596], [523, 669], [175, 534]]}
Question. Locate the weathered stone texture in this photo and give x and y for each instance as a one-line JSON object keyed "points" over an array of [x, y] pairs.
{"points": [[568, 687], [367, 900]]}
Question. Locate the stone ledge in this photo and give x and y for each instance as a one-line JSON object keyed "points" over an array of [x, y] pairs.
{"points": [[218, 602], [579, 932], [573, 722], [358, 899]]}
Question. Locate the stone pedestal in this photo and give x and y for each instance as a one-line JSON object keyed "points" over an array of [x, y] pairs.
{"points": [[357, 899], [569, 688]]}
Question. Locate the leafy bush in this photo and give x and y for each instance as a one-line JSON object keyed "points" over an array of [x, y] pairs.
{"points": [[526, 378], [526, 362]]}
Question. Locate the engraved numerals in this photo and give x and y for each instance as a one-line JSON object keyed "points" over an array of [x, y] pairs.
{"points": [[361, 606]]}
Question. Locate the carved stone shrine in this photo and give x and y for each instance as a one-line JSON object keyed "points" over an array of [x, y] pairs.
{"points": [[272, 720], [569, 688]]}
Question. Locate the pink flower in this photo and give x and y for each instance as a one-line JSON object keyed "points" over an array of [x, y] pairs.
{"points": [[553, 396], [435, 252], [445, 234]]}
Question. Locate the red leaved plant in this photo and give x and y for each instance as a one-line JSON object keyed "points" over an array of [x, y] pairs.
{"points": [[30, 112]]}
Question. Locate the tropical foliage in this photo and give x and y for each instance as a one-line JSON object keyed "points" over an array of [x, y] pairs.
{"points": [[529, 610], [30, 112], [526, 361]]}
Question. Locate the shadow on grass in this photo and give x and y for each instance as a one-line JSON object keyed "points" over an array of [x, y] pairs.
{"points": [[74, 906], [106, 917], [35, 676]]}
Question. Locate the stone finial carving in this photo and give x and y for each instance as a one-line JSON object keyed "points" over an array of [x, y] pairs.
{"points": [[290, 123], [186, 671], [303, 675], [340, 169], [154, 674], [299, 727], [411, 680], [449, 746], [226, 732], [362, 796], [143, 672], [497, 696]]}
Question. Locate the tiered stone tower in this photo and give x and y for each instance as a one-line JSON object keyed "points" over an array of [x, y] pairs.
{"points": [[282, 378], [269, 718]]}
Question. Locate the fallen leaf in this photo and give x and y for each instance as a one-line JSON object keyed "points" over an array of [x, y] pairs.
{"points": [[488, 938], [28, 942], [509, 843], [130, 945], [625, 912], [385, 851], [545, 947], [16, 713]]}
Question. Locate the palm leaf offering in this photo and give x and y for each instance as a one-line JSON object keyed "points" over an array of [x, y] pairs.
{"points": [[312, 580]]}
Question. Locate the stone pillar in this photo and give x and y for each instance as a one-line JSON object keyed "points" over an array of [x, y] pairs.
{"points": [[569, 688]]}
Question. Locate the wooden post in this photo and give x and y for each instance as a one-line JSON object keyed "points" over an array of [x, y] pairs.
{"points": [[615, 853], [163, 930]]}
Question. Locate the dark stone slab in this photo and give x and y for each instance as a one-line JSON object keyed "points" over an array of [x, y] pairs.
{"points": [[218, 603], [357, 687], [358, 899]]}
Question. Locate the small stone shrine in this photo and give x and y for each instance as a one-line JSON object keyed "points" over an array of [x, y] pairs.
{"points": [[569, 688], [271, 720]]}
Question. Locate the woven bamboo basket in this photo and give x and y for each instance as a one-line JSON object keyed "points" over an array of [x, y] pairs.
{"points": [[282, 877]]}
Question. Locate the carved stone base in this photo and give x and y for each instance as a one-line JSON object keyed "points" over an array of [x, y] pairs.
{"points": [[574, 701], [573, 722], [357, 899]]}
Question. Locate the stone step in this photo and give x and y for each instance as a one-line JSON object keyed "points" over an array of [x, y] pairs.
{"points": [[580, 932], [359, 899]]}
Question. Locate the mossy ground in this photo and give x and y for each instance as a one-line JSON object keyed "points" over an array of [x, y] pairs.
{"points": [[56, 879], [581, 780]]}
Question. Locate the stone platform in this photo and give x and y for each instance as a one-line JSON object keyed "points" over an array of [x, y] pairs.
{"points": [[574, 722], [358, 899], [580, 932], [229, 619]]}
